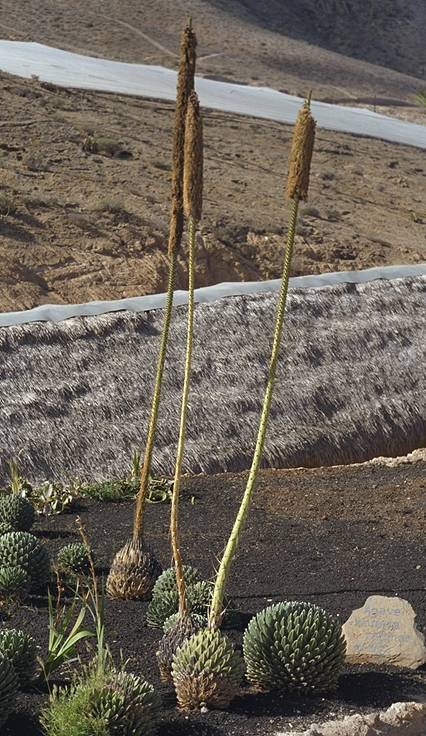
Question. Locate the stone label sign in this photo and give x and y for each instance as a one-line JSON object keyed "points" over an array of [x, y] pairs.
{"points": [[383, 632]]}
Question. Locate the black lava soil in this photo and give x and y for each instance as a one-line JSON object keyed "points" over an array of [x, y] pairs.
{"points": [[332, 536]]}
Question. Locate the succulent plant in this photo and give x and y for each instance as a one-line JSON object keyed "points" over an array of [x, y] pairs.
{"points": [[17, 512], [178, 632], [162, 606], [8, 688], [113, 702], [14, 583], [20, 648], [167, 580], [24, 550], [74, 560], [5, 528], [294, 646], [127, 704], [133, 572], [207, 670], [197, 618]]}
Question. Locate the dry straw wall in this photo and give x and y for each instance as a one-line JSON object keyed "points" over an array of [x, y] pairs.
{"points": [[74, 396]]}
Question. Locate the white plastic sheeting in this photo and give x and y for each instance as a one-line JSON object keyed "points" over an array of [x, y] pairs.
{"points": [[58, 313], [73, 70]]}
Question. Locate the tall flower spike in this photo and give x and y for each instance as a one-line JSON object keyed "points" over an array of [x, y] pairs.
{"points": [[207, 670], [135, 568], [185, 626], [297, 186], [185, 85], [301, 154], [193, 168]]}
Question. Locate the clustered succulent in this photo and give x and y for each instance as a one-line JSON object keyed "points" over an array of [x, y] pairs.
{"points": [[294, 646], [74, 560], [290, 646], [16, 513], [162, 606], [21, 650], [22, 549], [114, 702], [177, 630]]}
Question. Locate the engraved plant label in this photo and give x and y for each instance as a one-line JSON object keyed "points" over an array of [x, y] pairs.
{"points": [[383, 632]]}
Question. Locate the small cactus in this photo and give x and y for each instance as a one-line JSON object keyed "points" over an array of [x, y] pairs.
{"points": [[21, 650]]}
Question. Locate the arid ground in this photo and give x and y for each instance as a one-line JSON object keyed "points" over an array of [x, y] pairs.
{"points": [[75, 226], [332, 536], [78, 226]]}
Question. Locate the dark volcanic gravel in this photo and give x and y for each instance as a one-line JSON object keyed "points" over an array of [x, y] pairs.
{"points": [[332, 536]]}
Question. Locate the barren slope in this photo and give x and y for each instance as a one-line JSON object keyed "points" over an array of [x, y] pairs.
{"points": [[79, 226], [340, 48]]}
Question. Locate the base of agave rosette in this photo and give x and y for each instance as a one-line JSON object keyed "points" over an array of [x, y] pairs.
{"points": [[205, 691], [207, 671], [133, 572], [174, 638]]}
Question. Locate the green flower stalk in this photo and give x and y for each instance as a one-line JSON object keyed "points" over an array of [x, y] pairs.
{"points": [[297, 189], [207, 669], [135, 568], [185, 626], [193, 204]]}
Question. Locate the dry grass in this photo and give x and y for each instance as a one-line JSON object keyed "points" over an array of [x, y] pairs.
{"points": [[75, 396]]}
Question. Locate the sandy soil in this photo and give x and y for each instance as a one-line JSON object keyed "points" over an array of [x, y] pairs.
{"points": [[77, 226], [331, 536]]}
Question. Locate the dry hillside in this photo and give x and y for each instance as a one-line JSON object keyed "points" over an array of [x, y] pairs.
{"points": [[78, 226], [75, 226], [340, 47]]}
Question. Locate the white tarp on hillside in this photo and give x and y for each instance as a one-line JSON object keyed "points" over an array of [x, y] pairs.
{"points": [[73, 70]]}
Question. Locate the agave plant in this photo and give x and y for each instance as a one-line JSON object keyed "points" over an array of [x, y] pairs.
{"points": [[74, 560], [294, 646], [16, 513], [160, 608], [135, 568], [199, 670], [111, 702], [22, 549], [166, 582], [15, 584], [207, 670], [21, 650]]}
